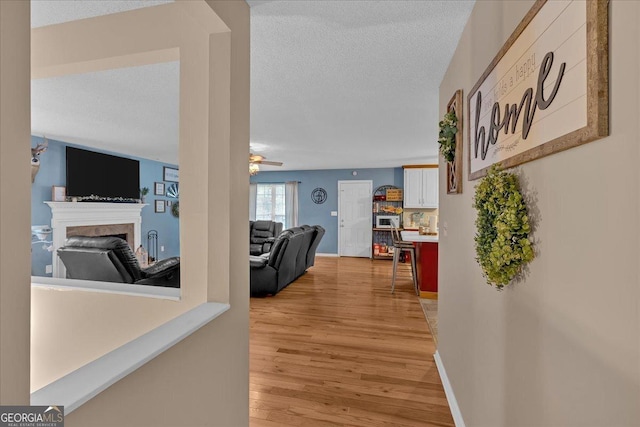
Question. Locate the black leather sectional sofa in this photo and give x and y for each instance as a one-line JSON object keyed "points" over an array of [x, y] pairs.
{"points": [[292, 253]]}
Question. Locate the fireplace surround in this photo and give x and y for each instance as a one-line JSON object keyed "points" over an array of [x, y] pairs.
{"points": [[93, 219]]}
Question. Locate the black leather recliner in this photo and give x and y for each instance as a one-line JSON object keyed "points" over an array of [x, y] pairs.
{"points": [[288, 260], [301, 260], [262, 234], [110, 259], [317, 236], [270, 274]]}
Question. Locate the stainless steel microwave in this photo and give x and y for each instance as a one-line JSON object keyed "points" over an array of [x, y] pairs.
{"points": [[388, 221]]}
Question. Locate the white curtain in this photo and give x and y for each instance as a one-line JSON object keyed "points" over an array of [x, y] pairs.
{"points": [[253, 196], [291, 203]]}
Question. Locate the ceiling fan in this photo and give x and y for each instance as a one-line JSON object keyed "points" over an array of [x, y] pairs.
{"points": [[257, 159]]}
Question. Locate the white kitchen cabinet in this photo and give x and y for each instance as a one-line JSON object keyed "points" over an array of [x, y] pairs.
{"points": [[412, 188], [421, 188]]}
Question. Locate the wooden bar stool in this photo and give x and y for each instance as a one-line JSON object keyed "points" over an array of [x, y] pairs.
{"points": [[401, 246]]}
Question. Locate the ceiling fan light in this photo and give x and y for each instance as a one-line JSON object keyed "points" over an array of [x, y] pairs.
{"points": [[253, 169]]}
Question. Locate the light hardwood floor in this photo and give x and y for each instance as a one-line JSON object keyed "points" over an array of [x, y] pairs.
{"points": [[335, 348]]}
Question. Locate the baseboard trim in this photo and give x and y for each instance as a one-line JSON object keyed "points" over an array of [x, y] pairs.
{"points": [[451, 397], [428, 295], [327, 255]]}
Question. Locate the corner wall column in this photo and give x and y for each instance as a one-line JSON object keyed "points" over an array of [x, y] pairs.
{"points": [[15, 201]]}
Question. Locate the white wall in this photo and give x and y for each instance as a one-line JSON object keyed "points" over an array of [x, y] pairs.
{"points": [[204, 379], [72, 328], [562, 348]]}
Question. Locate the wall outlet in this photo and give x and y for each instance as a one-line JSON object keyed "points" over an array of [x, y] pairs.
{"points": [[161, 248], [48, 269]]}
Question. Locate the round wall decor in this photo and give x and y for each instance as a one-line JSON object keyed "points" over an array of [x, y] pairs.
{"points": [[319, 196]]}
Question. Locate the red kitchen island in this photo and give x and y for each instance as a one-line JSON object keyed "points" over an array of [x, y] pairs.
{"points": [[426, 260]]}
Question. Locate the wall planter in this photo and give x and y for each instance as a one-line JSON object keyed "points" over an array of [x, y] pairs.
{"points": [[450, 141]]}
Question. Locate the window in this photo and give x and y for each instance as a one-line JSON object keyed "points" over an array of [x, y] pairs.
{"points": [[274, 202], [270, 203]]}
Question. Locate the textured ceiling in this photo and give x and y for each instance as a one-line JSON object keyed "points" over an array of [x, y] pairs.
{"points": [[48, 12], [131, 110], [334, 84], [349, 84]]}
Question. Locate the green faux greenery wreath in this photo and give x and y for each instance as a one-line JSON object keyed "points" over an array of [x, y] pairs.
{"points": [[447, 136], [502, 239]]}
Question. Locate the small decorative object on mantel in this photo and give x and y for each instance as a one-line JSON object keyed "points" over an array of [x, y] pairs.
{"points": [[502, 239], [450, 140], [319, 196], [58, 194], [143, 192], [546, 90], [94, 198]]}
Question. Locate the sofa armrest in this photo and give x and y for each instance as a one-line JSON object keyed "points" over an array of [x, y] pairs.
{"points": [[162, 267], [266, 246], [258, 262]]}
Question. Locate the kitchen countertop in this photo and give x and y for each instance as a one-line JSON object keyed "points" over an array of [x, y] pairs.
{"points": [[414, 236]]}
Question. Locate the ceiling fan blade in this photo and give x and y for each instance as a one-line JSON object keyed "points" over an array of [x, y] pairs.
{"points": [[266, 162]]}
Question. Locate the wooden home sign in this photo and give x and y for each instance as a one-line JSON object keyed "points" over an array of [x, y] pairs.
{"points": [[547, 89]]}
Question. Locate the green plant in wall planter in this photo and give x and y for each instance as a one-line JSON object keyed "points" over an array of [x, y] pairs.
{"points": [[447, 136], [502, 240]]}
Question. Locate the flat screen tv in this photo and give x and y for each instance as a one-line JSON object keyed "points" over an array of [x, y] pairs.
{"points": [[106, 177]]}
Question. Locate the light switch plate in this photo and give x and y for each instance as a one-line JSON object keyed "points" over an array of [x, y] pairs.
{"points": [[334, 213]]}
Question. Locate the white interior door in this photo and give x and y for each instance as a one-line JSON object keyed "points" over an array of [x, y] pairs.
{"points": [[354, 218]]}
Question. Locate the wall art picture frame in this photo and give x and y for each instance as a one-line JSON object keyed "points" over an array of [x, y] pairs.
{"points": [[158, 188], [170, 174], [546, 90], [160, 206]]}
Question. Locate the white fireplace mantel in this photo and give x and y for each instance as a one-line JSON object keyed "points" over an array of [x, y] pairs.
{"points": [[72, 214]]}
